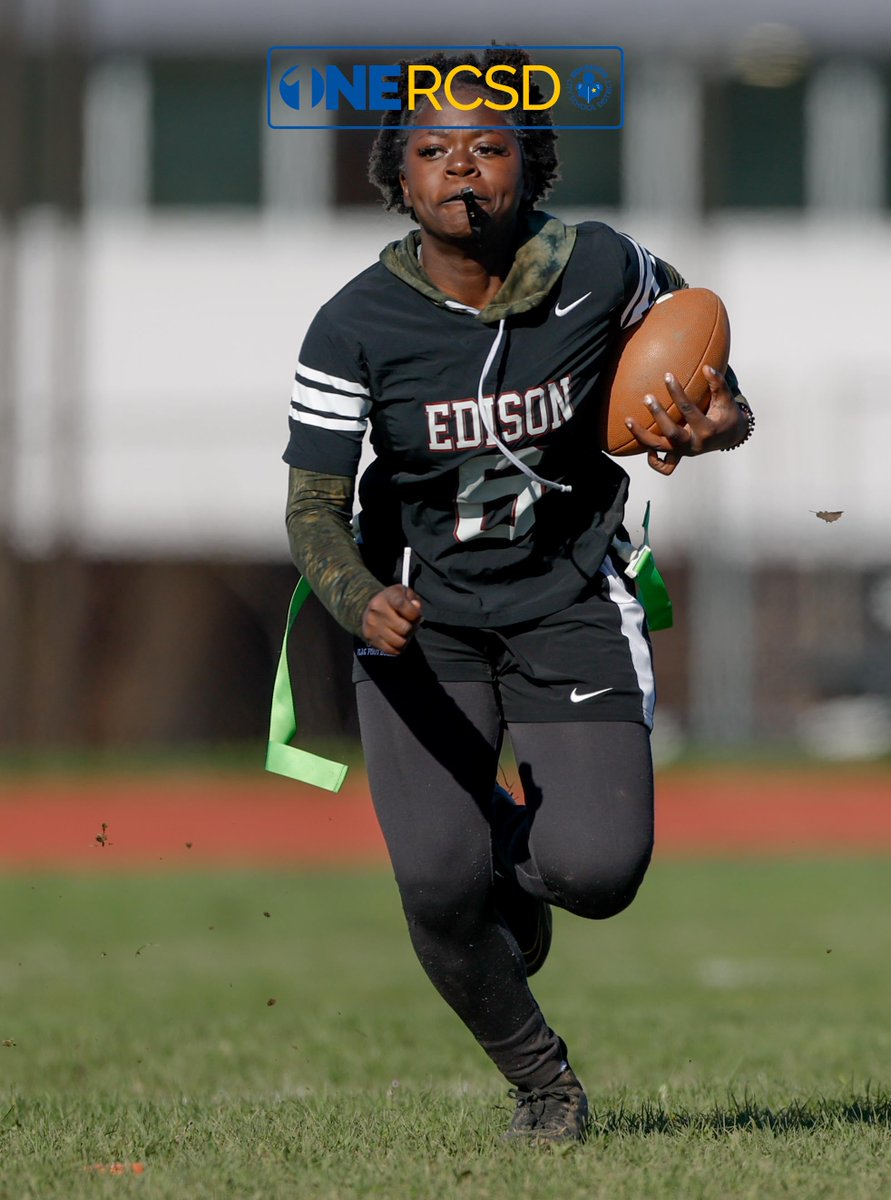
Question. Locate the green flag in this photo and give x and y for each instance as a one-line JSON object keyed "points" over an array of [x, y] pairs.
{"points": [[281, 757], [651, 589]]}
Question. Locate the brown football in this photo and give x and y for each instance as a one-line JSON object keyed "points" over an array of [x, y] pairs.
{"points": [[682, 332]]}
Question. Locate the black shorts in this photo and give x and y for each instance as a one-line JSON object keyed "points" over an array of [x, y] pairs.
{"points": [[589, 662]]}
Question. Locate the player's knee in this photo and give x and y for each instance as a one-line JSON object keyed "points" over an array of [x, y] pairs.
{"points": [[440, 901], [598, 887]]}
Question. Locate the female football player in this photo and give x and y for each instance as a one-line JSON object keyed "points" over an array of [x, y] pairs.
{"points": [[484, 589]]}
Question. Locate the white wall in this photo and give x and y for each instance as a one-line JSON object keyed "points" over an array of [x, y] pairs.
{"points": [[184, 333]]}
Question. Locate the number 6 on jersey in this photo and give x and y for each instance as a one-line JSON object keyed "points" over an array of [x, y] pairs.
{"points": [[487, 485]]}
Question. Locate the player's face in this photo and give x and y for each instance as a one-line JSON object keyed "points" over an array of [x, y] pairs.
{"points": [[440, 162]]}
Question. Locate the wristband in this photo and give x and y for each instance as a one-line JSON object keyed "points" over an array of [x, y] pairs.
{"points": [[750, 419]]}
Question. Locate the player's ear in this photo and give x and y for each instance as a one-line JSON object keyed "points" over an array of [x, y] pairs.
{"points": [[406, 196]]}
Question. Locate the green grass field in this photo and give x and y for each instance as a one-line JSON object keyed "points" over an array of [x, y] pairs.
{"points": [[732, 1028]]}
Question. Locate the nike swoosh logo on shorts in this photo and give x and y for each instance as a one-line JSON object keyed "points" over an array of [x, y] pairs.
{"points": [[577, 697], [561, 312]]}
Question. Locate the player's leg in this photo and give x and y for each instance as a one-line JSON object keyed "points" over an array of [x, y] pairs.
{"points": [[584, 839], [431, 751], [583, 842], [578, 695], [528, 917]]}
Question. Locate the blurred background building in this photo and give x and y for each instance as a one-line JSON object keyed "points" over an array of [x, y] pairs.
{"points": [[162, 252]]}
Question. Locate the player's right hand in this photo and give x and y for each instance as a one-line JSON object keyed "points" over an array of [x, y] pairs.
{"points": [[391, 618], [721, 427]]}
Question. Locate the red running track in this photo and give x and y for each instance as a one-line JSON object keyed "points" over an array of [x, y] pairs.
{"points": [[182, 820]]}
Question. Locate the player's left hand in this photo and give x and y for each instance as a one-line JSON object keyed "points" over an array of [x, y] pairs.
{"points": [[721, 426]]}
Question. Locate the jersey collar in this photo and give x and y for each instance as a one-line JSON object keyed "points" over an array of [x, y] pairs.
{"points": [[538, 263]]}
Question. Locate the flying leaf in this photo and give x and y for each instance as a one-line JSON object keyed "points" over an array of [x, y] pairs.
{"points": [[827, 516]]}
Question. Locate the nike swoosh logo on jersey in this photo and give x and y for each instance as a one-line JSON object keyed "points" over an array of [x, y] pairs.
{"points": [[577, 697], [561, 312]]}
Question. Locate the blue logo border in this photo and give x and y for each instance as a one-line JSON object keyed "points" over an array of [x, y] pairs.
{"points": [[373, 128]]}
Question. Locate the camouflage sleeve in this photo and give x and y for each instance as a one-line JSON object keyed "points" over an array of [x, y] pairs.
{"points": [[669, 277], [319, 520]]}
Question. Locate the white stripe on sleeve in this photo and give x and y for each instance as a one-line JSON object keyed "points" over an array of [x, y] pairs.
{"points": [[329, 404], [647, 285], [632, 617], [333, 381], [340, 423]]}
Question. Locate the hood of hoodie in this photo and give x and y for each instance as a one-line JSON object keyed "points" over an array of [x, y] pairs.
{"points": [[541, 256]]}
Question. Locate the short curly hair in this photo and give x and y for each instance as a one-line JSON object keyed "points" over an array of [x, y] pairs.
{"points": [[538, 145]]}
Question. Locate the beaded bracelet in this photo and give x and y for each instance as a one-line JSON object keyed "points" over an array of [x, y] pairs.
{"points": [[750, 419]]}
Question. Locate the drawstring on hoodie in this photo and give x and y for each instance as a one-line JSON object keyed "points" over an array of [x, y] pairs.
{"points": [[405, 260], [485, 412], [486, 417]]}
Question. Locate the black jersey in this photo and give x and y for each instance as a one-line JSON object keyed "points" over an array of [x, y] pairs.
{"points": [[489, 543]]}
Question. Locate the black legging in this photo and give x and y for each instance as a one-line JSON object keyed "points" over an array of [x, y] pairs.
{"points": [[432, 755]]}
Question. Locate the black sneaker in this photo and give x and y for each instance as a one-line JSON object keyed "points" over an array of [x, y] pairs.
{"points": [[528, 918], [556, 1113]]}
